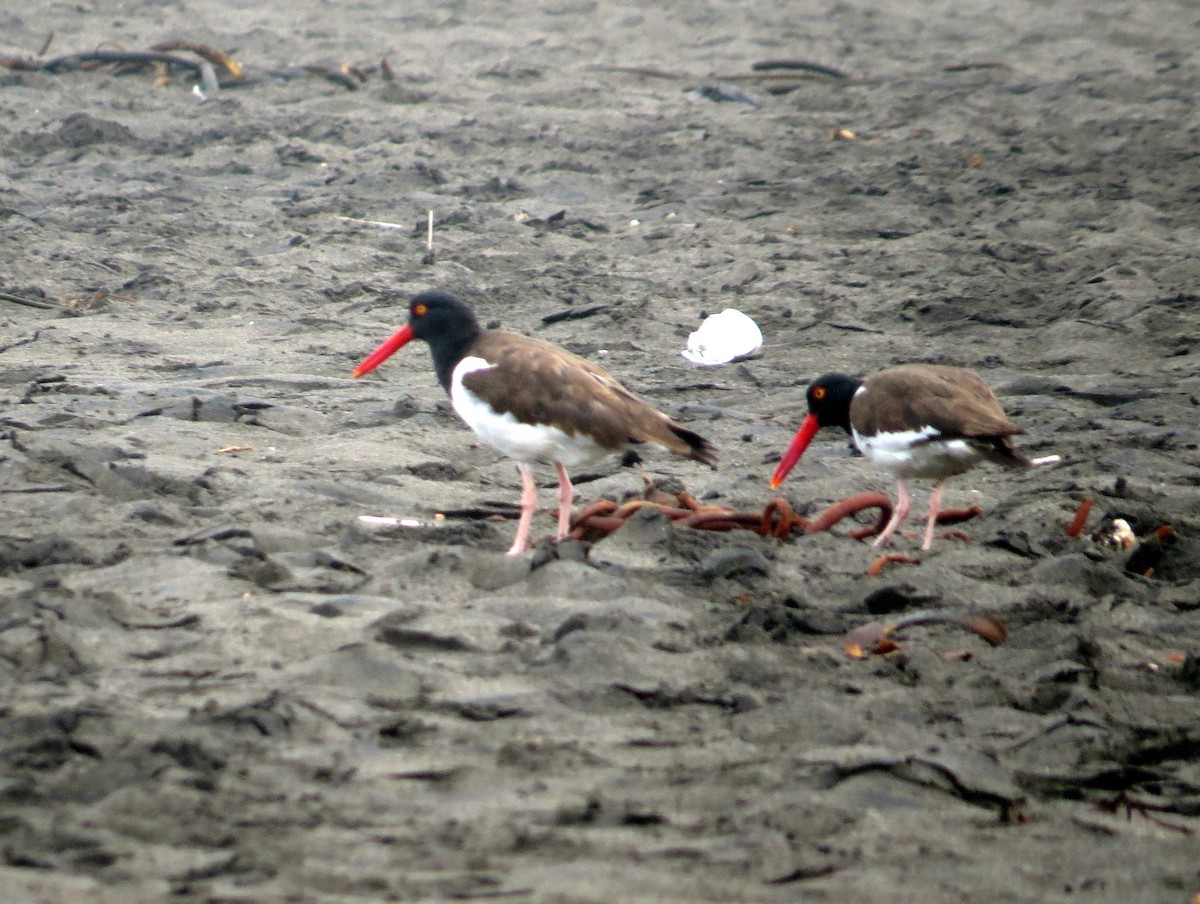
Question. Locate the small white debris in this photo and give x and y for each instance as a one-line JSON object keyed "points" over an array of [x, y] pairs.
{"points": [[385, 521], [1117, 534], [723, 338], [382, 224]]}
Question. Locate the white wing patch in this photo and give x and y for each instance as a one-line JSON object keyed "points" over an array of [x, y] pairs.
{"points": [[503, 432], [918, 453]]}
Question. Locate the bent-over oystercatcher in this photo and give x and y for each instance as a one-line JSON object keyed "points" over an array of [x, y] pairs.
{"points": [[532, 400], [916, 420]]}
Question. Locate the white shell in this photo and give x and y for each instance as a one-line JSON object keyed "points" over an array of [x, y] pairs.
{"points": [[381, 521], [723, 338]]}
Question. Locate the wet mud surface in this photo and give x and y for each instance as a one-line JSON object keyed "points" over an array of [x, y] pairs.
{"points": [[219, 684]]}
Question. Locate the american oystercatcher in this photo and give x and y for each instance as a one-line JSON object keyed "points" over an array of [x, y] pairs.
{"points": [[532, 400], [916, 420]]}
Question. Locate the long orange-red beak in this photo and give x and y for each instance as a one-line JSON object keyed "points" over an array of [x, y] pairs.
{"points": [[796, 448], [401, 338]]}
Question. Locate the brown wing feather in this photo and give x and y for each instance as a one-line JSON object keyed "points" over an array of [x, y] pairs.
{"points": [[955, 402], [539, 382]]}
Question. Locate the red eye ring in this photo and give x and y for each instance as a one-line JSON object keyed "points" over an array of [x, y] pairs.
{"points": [[818, 392], [420, 310]]}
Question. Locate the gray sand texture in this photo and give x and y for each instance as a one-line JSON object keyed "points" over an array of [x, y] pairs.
{"points": [[220, 684]]}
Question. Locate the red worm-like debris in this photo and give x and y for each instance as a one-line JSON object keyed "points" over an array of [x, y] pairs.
{"points": [[957, 516], [603, 524], [628, 508], [852, 506], [1081, 516], [891, 558], [722, 521], [779, 519], [955, 535], [986, 625], [599, 507]]}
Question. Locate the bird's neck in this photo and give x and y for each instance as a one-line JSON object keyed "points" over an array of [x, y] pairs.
{"points": [[449, 349], [840, 411]]}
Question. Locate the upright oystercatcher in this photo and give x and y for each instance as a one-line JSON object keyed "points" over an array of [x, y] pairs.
{"points": [[916, 420], [532, 400]]}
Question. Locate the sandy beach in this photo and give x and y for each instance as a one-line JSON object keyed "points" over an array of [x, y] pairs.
{"points": [[221, 684]]}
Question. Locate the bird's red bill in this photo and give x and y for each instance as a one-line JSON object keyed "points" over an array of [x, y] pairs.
{"points": [[401, 338], [796, 448]]}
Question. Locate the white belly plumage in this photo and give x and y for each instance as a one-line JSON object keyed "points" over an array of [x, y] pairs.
{"points": [[503, 432], [918, 453]]}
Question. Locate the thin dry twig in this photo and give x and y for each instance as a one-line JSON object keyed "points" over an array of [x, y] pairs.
{"points": [[798, 66], [964, 67], [180, 621], [28, 302], [21, 342], [61, 488], [1143, 808], [762, 71]]}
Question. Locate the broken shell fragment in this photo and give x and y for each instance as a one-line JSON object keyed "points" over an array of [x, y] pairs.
{"points": [[723, 338], [1117, 534]]}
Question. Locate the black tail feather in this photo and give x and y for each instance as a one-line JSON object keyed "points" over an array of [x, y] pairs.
{"points": [[700, 449]]}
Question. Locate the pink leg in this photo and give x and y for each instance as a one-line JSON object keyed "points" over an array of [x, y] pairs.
{"points": [[899, 513], [528, 504], [935, 506], [566, 493]]}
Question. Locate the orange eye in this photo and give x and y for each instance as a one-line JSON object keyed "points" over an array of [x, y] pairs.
{"points": [[818, 393], [419, 310]]}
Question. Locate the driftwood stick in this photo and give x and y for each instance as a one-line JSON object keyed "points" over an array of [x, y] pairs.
{"points": [[202, 68]]}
